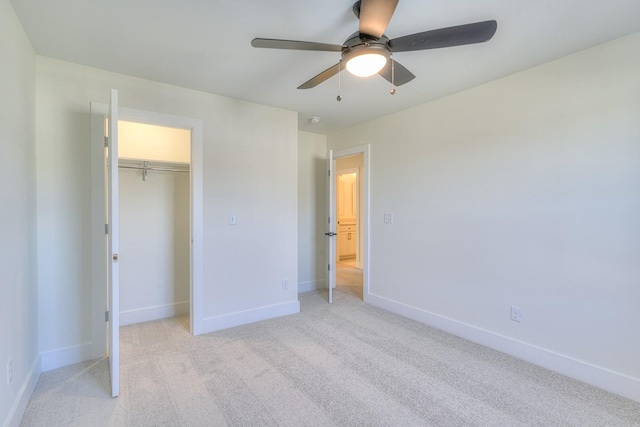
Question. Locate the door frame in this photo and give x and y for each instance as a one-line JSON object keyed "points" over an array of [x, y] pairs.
{"points": [[364, 217], [98, 112]]}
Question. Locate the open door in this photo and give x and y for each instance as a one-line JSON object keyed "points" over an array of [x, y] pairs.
{"points": [[113, 291], [331, 225]]}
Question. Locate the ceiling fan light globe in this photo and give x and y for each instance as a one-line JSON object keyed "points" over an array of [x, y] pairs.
{"points": [[366, 64]]}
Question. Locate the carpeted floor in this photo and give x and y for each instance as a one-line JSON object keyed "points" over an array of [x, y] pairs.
{"points": [[349, 278], [348, 364]]}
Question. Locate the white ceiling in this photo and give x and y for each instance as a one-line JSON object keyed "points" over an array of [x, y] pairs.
{"points": [[205, 45]]}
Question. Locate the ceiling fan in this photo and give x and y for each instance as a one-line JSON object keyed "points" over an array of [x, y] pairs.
{"points": [[369, 51]]}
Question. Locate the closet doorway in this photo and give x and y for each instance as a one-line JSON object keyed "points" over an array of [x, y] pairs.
{"points": [[154, 214], [99, 250]]}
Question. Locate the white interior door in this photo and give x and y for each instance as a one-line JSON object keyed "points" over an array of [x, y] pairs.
{"points": [[113, 291], [331, 225]]}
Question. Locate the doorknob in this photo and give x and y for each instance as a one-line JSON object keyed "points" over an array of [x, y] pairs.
{"points": [[330, 234], [115, 257]]}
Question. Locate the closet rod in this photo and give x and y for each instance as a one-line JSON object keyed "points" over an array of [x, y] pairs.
{"points": [[153, 168]]}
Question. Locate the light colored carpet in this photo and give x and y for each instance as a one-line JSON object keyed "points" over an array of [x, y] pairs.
{"points": [[349, 279], [348, 364]]}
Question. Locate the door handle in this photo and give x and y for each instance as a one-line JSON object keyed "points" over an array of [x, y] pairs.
{"points": [[331, 234], [115, 257]]}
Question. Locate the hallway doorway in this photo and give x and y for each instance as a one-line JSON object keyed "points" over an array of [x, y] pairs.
{"points": [[349, 208]]}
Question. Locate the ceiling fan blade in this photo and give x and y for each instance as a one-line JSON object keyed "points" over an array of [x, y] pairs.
{"points": [[325, 75], [375, 16], [294, 44], [477, 32], [400, 74]]}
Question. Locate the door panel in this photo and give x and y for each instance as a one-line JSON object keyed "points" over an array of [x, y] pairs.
{"points": [[112, 252], [331, 225]]}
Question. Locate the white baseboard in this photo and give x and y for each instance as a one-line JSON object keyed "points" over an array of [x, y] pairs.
{"points": [[225, 321], [147, 314], [312, 285], [603, 378], [58, 358], [24, 395]]}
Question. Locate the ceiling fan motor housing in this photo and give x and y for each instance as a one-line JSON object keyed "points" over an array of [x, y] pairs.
{"points": [[357, 44], [364, 48]]}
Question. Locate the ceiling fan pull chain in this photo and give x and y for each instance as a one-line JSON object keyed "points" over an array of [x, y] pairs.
{"points": [[393, 76], [339, 97]]}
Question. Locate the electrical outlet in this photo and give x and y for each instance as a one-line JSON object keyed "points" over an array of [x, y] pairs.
{"points": [[9, 372], [388, 218], [516, 314], [285, 285]]}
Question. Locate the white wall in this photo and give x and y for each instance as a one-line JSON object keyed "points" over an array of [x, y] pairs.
{"points": [[526, 192], [250, 169], [312, 151], [153, 245], [18, 280]]}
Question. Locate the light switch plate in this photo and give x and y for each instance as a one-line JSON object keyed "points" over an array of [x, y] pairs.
{"points": [[388, 218]]}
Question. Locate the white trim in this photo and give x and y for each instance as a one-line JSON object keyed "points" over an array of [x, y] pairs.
{"points": [[147, 314], [597, 376], [239, 318], [312, 285], [196, 291], [196, 175], [365, 150], [14, 417], [58, 358]]}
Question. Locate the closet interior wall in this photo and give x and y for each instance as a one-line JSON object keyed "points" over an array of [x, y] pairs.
{"points": [[154, 242]]}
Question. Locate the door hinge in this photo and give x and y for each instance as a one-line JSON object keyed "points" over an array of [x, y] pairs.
{"points": [[329, 267], [329, 172], [106, 142], [106, 316], [106, 229]]}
